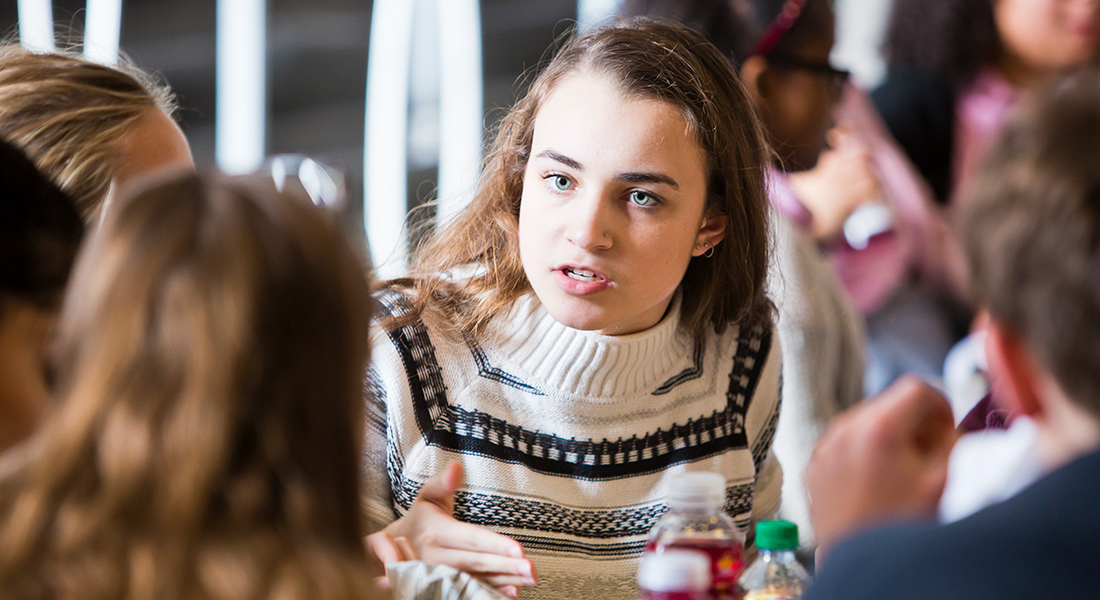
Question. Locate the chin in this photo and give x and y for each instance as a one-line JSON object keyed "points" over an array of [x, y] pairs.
{"points": [[573, 320], [575, 317]]}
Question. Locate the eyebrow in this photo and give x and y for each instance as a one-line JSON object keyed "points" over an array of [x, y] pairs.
{"points": [[633, 177], [563, 159], [648, 178]]}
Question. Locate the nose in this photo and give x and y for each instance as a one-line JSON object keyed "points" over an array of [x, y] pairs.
{"points": [[590, 224]]}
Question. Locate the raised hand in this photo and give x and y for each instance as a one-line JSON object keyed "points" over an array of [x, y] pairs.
{"points": [[885, 459], [843, 179], [435, 536]]}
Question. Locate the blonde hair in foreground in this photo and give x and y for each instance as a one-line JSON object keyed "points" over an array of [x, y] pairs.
{"points": [[649, 58], [69, 115], [207, 440]]}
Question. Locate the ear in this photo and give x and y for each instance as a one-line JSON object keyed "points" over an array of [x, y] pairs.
{"points": [[754, 76], [711, 233], [1015, 375]]}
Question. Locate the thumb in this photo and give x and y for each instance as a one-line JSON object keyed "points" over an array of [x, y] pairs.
{"points": [[848, 142], [440, 489]]}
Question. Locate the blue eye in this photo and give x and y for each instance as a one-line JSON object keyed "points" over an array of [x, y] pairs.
{"points": [[561, 183], [642, 198]]}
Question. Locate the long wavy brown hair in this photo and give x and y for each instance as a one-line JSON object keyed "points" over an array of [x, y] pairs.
{"points": [[207, 440], [70, 115], [649, 58]]}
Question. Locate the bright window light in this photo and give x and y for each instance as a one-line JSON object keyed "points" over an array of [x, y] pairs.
{"points": [[101, 31], [36, 25], [594, 12], [385, 161], [241, 85], [460, 98]]}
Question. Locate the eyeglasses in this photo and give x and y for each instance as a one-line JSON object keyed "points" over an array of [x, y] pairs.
{"points": [[837, 78], [323, 184]]}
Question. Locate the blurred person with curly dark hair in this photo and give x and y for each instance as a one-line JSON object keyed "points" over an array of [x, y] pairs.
{"points": [[957, 67]]}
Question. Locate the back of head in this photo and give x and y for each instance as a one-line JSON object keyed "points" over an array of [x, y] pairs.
{"points": [[736, 26], [211, 358], [1031, 232], [40, 232], [655, 59], [69, 114], [950, 39]]}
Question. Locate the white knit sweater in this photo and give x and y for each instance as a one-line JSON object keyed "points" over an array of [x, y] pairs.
{"points": [[569, 438], [822, 339]]}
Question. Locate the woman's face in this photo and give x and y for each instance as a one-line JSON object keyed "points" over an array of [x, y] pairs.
{"points": [[1048, 35], [613, 206]]}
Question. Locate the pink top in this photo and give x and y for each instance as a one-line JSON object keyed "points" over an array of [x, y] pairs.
{"points": [[785, 202], [918, 244], [981, 110]]}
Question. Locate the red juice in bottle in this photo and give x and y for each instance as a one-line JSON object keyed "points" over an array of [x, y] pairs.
{"points": [[695, 521], [726, 562], [674, 575]]}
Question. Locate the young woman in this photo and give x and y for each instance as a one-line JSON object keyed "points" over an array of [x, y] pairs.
{"points": [[91, 128], [211, 356], [594, 323]]}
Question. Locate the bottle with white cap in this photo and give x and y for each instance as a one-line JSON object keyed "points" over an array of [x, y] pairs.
{"points": [[696, 521], [675, 575]]}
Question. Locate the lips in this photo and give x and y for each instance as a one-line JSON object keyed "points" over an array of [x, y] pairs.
{"points": [[581, 281]]}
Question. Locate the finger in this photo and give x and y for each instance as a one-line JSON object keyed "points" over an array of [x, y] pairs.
{"points": [[934, 422], [474, 538], [520, 570], [510, 591], [835, 136], [383, 583], [440, 489], [382, 547], [500, 582], [850, 143], [910, 405], [405, 548]]}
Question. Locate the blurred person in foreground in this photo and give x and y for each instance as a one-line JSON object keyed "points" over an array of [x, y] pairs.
{"points": [[206, 442], [92, 129], [40, 232], [1030, 231]]}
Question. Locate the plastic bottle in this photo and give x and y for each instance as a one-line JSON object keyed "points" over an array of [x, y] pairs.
{"points": [[696, 521], [675, 575], [776, 574]]}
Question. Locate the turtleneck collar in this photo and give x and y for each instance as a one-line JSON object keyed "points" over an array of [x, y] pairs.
{"points": [[558, 359]]}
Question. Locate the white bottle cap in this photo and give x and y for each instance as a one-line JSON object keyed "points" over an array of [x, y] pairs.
{"points": [[697, 492], [674, 571]]}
